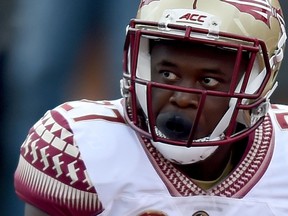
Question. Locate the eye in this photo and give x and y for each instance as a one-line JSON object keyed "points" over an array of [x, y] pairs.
{"points": [[210, 82], [168, 75]]}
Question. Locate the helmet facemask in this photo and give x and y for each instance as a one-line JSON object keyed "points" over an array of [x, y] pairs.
{"points": [[244, 93]]}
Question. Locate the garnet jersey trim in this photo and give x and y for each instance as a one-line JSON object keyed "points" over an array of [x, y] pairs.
{"points": [[48, 183], [237, 184]]}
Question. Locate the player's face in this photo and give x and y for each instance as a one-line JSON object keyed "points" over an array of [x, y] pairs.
{"points": [[194, 67]]}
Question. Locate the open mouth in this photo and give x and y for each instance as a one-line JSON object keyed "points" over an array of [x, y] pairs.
{"points": [[172, 125], [176, 126]]}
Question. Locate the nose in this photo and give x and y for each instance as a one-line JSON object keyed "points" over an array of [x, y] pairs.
{"points": [[185, 100]]}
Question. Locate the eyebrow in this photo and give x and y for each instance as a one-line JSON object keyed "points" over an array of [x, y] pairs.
{"points": [[214, 71], [166, 63], [217, 71]]}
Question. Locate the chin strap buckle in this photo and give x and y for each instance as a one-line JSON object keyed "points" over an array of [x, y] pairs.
{"points": [[259, 112], [124, 88], [263, 108]]}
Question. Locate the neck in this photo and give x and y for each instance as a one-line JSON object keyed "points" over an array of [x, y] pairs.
{"points": [[210, 168]]}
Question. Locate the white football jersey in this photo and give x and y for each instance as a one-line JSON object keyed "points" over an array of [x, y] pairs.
{"points": [[82, 158]]}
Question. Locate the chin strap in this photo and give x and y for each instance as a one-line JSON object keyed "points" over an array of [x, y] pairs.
{"points": [[256, 114], [262, 109]]}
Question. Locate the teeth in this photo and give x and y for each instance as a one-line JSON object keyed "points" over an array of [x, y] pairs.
{"points": [[204, 139]]}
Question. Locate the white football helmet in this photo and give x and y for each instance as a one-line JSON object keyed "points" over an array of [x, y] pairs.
{"points": [[253, 27]]}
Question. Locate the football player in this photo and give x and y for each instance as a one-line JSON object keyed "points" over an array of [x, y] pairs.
{"points": [[194, 133]]}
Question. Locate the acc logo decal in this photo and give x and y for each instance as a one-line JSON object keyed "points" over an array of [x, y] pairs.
{"points": [[260, 9]]}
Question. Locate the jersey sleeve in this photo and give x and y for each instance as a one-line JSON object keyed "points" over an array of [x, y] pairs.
{"points": [[51, 174]]}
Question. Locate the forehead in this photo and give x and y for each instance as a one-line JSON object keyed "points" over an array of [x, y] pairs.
{"points": [[195, 54], [185, 47]]}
